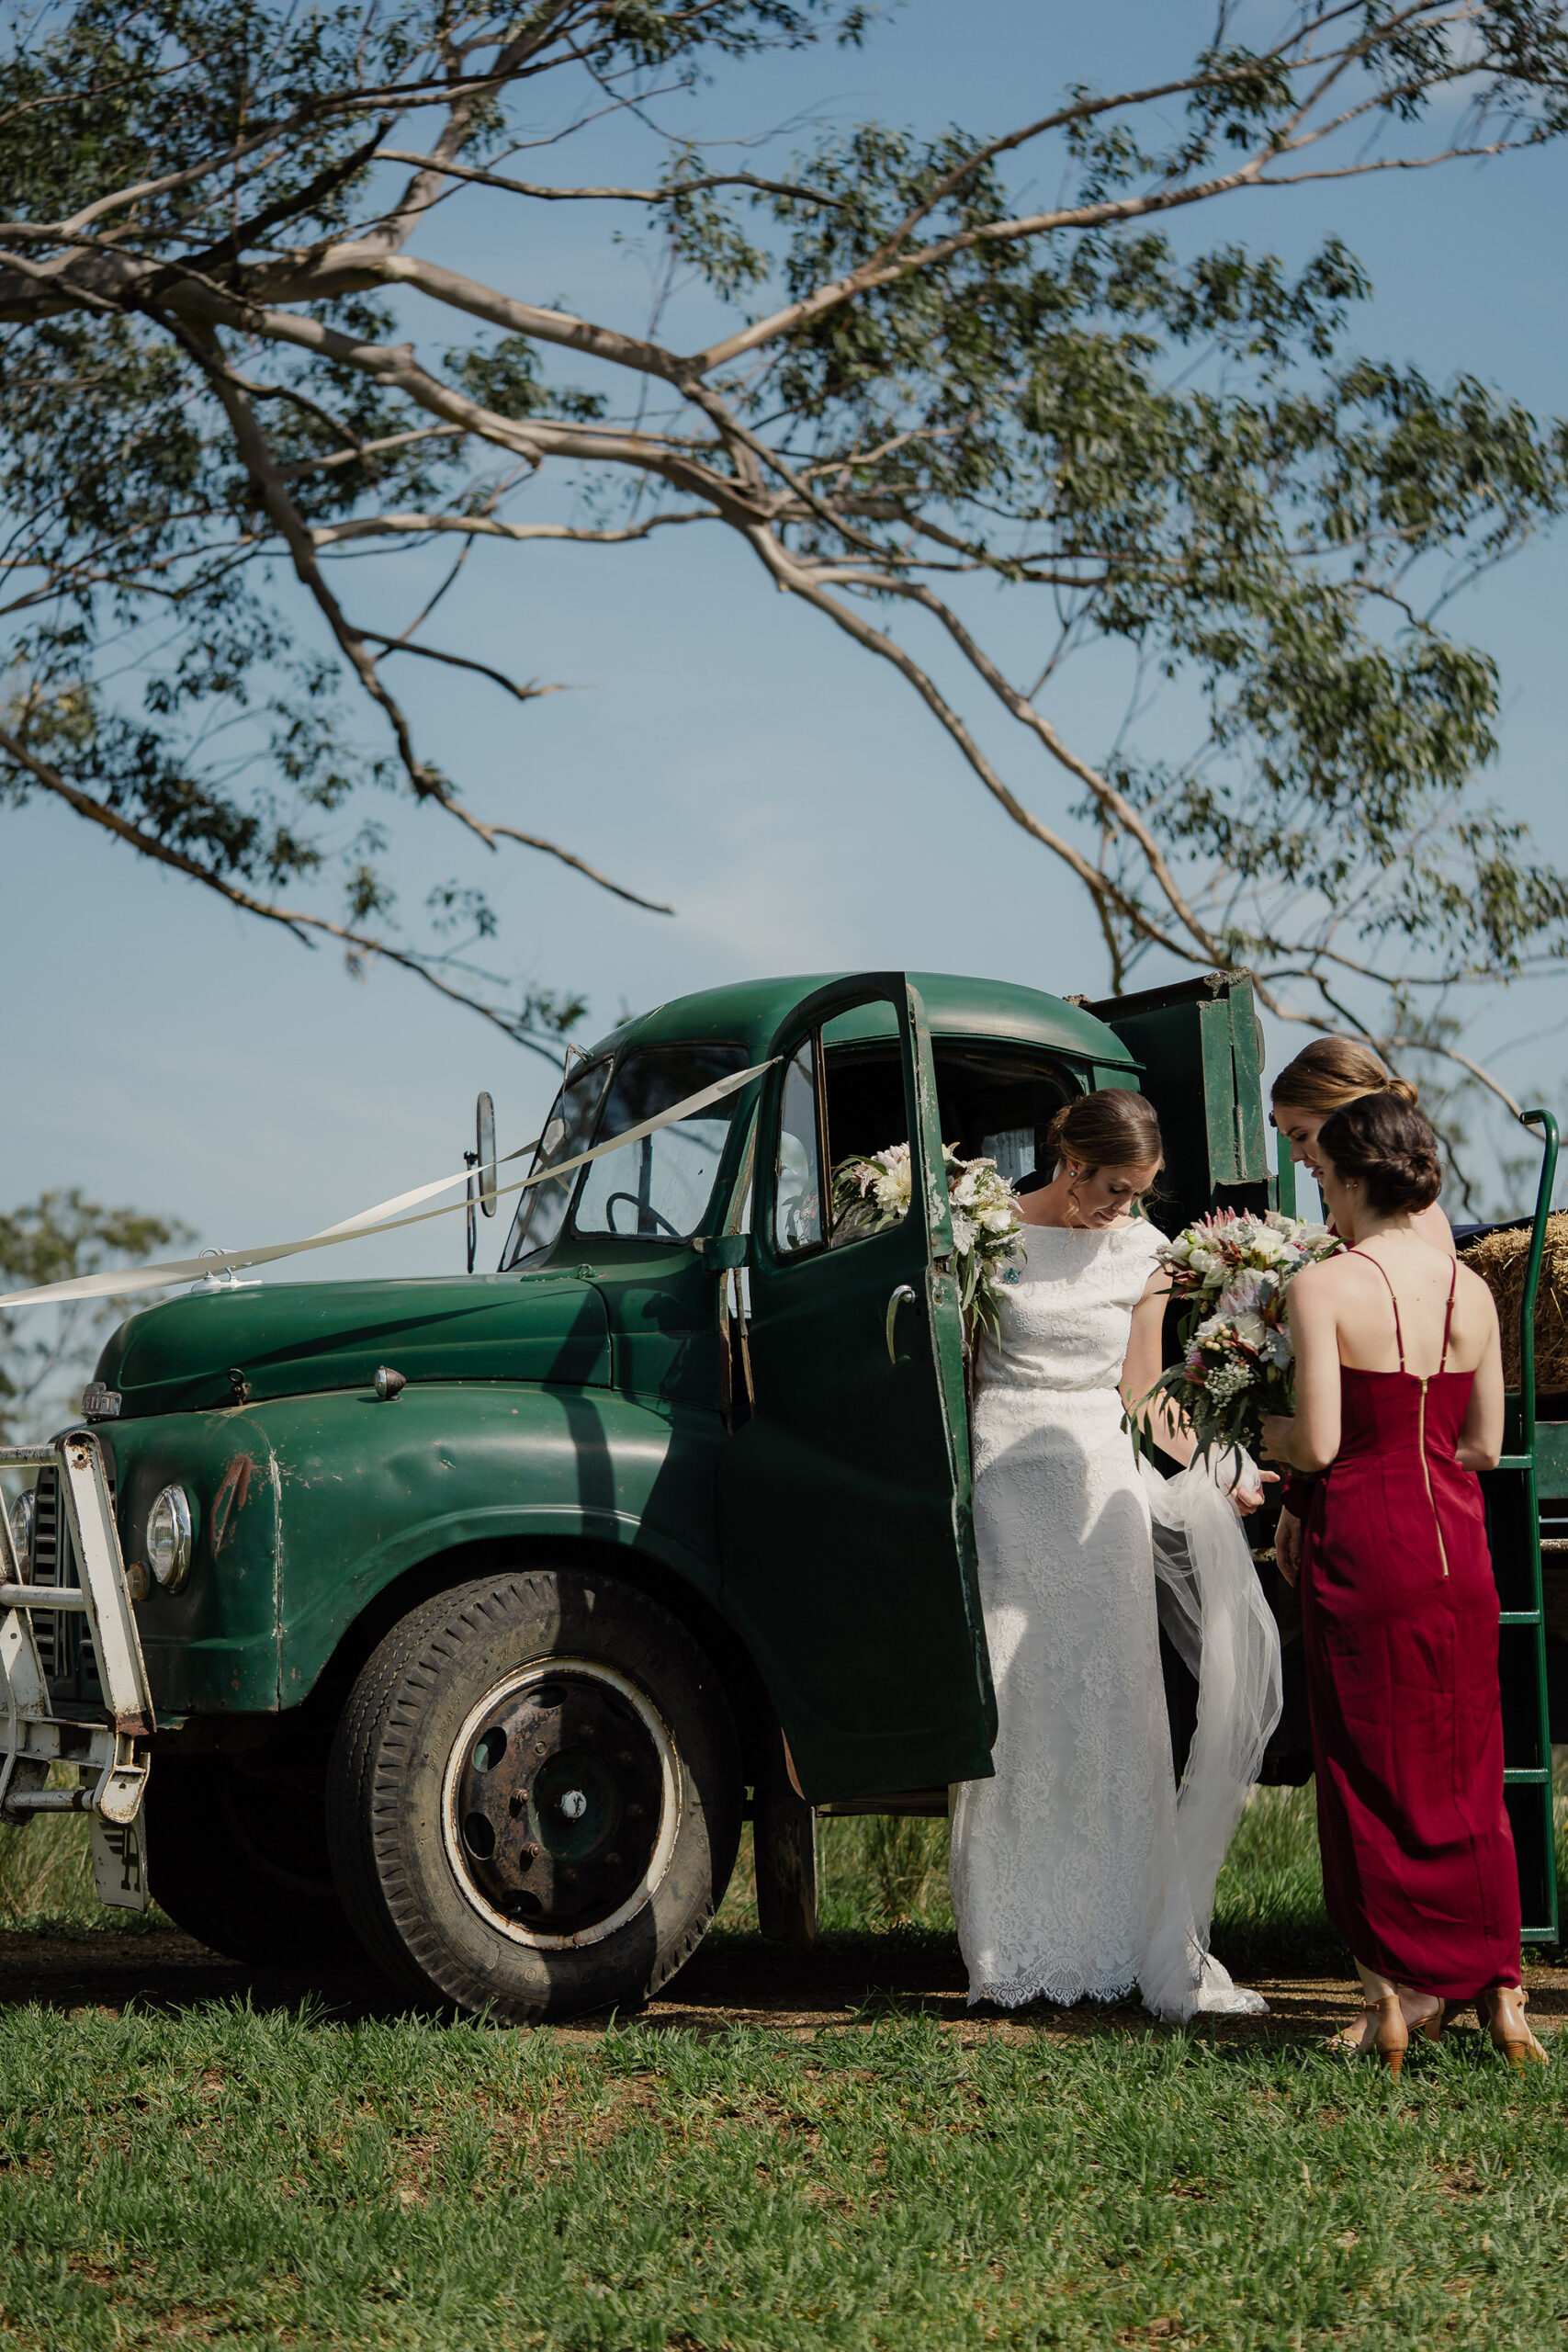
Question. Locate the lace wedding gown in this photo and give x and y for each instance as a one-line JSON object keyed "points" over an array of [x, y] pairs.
{"points": [[1074, 1871]]}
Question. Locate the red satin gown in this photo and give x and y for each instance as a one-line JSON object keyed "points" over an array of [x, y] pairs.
{"points": [[1399, 1620]]}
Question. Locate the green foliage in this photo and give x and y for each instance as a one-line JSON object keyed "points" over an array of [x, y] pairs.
{"points": [[215, 396], [507, 379], [56, 1238]]}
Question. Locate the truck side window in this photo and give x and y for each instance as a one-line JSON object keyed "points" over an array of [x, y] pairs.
{"points": [[797, 1174], [658, 1189]]}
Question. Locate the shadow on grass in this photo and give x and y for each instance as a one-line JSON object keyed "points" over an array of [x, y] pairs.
{"points": [[874, 1961]]}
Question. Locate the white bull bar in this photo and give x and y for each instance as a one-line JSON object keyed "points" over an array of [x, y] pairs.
{"points": [[109, 1757]]}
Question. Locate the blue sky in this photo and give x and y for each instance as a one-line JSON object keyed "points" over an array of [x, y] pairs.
{"points": [[721, 748]]}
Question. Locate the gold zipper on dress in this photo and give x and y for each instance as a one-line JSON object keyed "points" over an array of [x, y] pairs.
{"points": [[1426, 1473]]}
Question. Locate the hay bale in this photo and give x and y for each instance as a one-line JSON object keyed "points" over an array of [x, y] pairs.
{"points": [[1500, 1260]]}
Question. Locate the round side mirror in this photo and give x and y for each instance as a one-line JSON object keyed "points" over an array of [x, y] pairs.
{"points": [[484, 1142]]}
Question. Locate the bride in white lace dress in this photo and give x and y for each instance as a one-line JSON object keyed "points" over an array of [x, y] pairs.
{"points": [[1074, 1871]]}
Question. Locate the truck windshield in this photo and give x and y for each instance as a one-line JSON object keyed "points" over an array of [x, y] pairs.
{"points": [[658, 1188], [541, 1210], [654, 1189]]}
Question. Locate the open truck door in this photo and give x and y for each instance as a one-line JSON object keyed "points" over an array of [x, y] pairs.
{"points": [[845, 1532]]}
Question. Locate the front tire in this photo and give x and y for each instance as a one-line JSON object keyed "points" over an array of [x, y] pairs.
{"points": [[534, 1798], [237, 1856]]}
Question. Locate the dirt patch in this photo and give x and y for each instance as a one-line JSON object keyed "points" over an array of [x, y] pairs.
{"points": [[730, 1982]]}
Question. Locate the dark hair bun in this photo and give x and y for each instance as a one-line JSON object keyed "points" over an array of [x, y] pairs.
{"points": [[1390, 1145]]}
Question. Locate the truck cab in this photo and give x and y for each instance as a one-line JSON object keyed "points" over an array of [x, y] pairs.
{"points": [[463, 1621]]}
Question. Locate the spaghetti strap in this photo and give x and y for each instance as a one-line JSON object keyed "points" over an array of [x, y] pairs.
{"points": [[1394, 1302], [1448, 1319]]}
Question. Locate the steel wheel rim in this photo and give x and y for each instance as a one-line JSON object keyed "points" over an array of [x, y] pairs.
{"points": [[585, 1678]]}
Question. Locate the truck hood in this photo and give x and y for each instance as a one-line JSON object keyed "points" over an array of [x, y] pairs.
{"points": [[290, 1339]]}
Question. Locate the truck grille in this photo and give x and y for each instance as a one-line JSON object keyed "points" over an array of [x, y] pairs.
{"points": [[65, 1647], [46, 1565]]}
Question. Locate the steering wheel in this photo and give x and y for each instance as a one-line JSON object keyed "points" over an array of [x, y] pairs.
{"points": [[643, 1208]]}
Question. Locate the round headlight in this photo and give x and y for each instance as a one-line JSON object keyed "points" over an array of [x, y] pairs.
{"points": [[168, 1538], [24, 1512]]}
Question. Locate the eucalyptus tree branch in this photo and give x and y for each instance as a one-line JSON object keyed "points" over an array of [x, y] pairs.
{"points": [[1117, 808], [667, 194], [428, 785], [262, 467], [1086, 109], [1477, 1070], [533, 438], [798, 580], [396, 225], [207, 356], [870, 277], [527, 694], [532, 841], [366, 526], [297, 468], [292, 919], [1389, 1044]]}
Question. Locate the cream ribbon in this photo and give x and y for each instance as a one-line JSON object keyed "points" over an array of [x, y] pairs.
{"points": [[382, 1218]]}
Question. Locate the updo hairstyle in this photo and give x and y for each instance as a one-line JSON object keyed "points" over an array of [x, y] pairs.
{"points": [[1115, 1128], [1390, 1145], [1333, 1071]]}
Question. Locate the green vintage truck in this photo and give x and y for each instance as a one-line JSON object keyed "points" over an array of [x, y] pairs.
{"points": [[463, 1623]]}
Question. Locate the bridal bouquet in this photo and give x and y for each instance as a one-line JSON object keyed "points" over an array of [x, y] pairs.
{"points": [[1237, 1364], [987, 1219]]}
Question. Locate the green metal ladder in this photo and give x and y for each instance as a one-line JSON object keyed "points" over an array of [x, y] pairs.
{"points": [[1532, 1453]]}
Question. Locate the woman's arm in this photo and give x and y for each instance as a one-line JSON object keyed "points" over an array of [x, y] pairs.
{"points": [[1481, 1435], [1146, 1356], [1169, 1429], [1309, 1439]]}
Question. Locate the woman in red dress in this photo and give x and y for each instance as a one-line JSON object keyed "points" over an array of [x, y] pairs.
{"points": [[1399, 1401], [1324, 1077]]}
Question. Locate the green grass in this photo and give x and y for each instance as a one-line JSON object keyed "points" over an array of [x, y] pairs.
{"points": [[277, 2179], [223, 2174], [46, 1882]]}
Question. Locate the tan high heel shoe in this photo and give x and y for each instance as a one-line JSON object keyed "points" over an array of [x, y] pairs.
{"points": [[1434, 2024], [1502, 2013], [1389, 2042]]}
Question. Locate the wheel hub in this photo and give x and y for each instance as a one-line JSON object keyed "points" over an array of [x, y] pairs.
{"points": [[558, 1799]]}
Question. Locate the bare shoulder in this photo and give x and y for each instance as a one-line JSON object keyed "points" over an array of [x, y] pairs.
{"points": [[1325, 1280], [1472, 1292], [1431, 1224]]}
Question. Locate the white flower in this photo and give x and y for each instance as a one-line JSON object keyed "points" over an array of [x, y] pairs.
{"points": [[892, 1187], [963, 1233]]}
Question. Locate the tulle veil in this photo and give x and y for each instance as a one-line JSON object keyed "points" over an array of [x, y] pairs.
{"points": [[1213, 1608]]}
